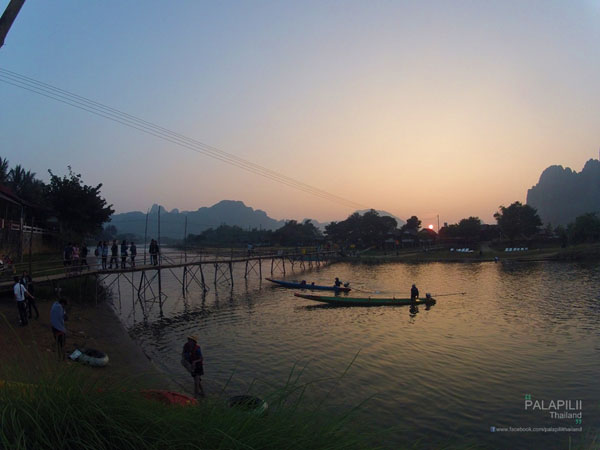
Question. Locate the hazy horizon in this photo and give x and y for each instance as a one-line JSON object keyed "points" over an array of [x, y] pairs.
{"points": [[435, 108]]}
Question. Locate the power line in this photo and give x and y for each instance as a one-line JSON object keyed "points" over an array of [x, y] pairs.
{"points": [[115, 115]]}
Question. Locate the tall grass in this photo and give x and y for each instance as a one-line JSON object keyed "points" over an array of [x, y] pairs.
{"points": [[68, 410]]}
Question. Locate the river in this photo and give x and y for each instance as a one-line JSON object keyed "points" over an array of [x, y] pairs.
{"points": [[439, 376]]}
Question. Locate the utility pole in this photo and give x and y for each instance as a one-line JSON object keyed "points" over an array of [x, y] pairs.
{"points": [[9, 16]]}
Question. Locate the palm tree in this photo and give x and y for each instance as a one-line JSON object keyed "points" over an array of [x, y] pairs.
{"points": [[4, 171]]}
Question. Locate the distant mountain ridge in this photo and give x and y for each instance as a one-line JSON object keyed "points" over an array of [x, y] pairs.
{"points": [[172, 223], [562, 194], [229, 212]]}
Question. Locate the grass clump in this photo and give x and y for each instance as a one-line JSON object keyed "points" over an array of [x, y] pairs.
{"points": [[68, 410]]}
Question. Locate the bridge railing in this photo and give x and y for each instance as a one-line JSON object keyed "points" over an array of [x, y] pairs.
{"points": [[52, 266]]}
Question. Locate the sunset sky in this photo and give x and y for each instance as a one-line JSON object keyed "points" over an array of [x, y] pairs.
{"points": [[417, 108]]}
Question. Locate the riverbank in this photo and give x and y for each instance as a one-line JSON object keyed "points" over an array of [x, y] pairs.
{"points": [[586, 252], [48, 403], [32, 348]]}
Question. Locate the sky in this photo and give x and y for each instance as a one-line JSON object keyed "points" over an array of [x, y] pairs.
{"points": [[446, 109]]}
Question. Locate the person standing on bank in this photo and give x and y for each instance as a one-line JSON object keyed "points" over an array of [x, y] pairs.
{"points": [[133, 252], [59, 331], [191, 358], [20, 292], [414, 293], [27, 281]]}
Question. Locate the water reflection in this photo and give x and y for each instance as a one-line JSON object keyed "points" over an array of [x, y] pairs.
{"points": [[444, 371]]}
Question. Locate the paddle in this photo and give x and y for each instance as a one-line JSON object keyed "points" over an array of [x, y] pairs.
{"points": [[444, 295]]}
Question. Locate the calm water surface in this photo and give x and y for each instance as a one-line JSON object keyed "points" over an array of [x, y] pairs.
{"points": [[442, 375]]}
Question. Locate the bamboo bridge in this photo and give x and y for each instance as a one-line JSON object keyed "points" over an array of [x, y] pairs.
{"points": [[188, 269]]}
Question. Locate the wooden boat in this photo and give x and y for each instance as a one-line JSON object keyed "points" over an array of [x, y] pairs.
{"points": [[367, 301], [312, 287]]}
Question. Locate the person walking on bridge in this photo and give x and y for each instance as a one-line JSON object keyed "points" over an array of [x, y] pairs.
{"points": [[104, 254], [123, 254], [133, 253], [114, 252]]}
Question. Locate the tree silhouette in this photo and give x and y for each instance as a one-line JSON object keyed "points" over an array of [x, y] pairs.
{"points": [[518, 220]]}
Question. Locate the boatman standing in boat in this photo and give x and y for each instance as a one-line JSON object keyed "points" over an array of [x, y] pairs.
{"points": [[337, 283], [192, 360], [414, 293]]}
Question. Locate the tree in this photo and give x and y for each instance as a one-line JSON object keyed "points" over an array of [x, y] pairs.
{"points": [[26, 185], [294, 233], [469, 228], [366, 230], [586, 228], [412, 224], [80, 209], [4, 170], [518, 220]]}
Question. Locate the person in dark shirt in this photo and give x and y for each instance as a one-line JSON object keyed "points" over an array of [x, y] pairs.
{"points": [[337, 283], [414, 293], [133, 252], [114, 251], [83, 253], [191, 358], [27, 281], [68, 254], [123, 254]]}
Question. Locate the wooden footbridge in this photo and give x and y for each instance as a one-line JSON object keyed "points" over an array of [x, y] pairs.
{"points": [[145, 280]]}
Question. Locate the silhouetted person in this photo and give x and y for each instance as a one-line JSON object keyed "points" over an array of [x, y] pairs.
{"points": [[191, 358], [57, 321], [123, 254], [20, 293], [133, 251], [414, 293], [337, 283], [98, 255], [83, 253], [114, 252], [68, 254], [27, 281], [154, 250], [104, 255]]}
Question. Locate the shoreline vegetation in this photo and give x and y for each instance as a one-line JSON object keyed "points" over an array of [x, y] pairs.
{"points": [[67, 409], [581, 252]]}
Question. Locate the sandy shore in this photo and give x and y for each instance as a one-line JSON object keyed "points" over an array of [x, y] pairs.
{"points": [[94, 326]]}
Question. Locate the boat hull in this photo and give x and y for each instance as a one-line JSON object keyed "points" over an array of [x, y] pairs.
{"points": [[366, 301], [312, 287]]}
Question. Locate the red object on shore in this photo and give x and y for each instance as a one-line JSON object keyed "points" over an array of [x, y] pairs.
{"points": [[168, 397]]}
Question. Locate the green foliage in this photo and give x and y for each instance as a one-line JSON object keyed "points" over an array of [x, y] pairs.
{"points": [[366, 230], [412, 224], [586, 228], [518, 220], [22, 182], [297, 234], [4, 170], [68, 409], [469, 228], [79, 207]]}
